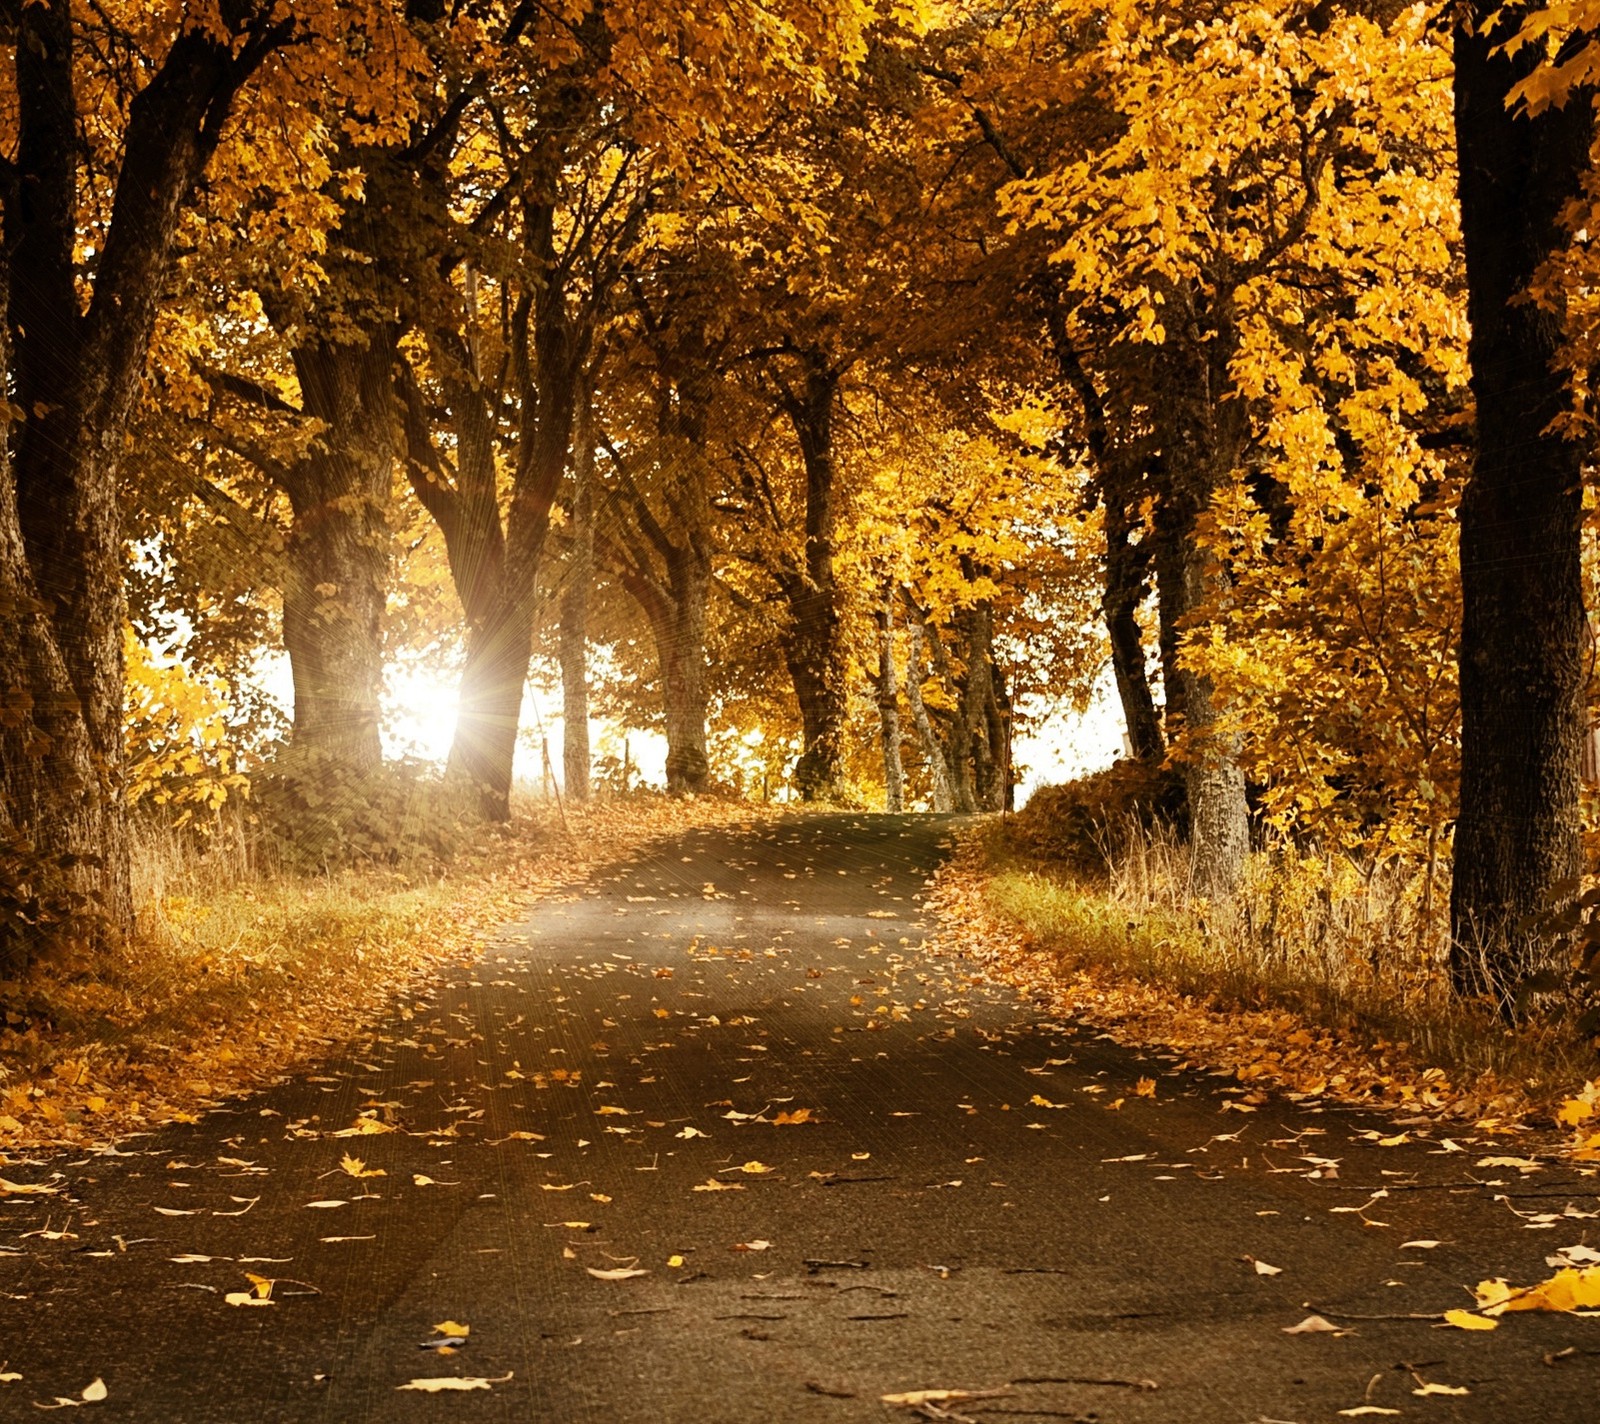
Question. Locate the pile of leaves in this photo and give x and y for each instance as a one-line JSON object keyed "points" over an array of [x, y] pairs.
{"points": [[202, 1017]]}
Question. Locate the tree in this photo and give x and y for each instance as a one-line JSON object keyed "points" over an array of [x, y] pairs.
{"points": [[72, 373], [1524, 640]]}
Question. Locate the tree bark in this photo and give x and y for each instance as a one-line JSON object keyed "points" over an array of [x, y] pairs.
{"points": [[1214, 783], [75, 374], [578, 578], [1523, 634], [813, 646], [499, 648], [1126, 558], [683, 673], [942, 791], [894, 776], [338, 552], [1202, 435]]}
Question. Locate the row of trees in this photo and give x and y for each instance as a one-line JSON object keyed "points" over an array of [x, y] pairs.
{"points": [[815, 360]]}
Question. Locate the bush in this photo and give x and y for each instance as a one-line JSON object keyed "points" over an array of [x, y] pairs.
{"points": [[1086, 824], [307, 816]]}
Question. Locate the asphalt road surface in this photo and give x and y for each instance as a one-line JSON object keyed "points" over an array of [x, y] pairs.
{"points": [[844, 1167]]}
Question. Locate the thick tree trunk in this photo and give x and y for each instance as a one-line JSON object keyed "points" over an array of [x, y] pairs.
{"points": [[74, 374], [1202, 435], [894, 776], [813, 655], [980, 709], [943, 793], [337, 573], [500, 643], [578, 577], [1214, 784], [489, 709], [957, 739], [813, 646], [56, 809], [1523, 633]]}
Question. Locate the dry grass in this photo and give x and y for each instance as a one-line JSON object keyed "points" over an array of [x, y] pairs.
{"points": [[241, 972], [1356, 952]]}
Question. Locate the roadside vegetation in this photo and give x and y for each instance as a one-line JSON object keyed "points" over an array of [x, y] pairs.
{"points": [[247, 965], [1323, 975]]}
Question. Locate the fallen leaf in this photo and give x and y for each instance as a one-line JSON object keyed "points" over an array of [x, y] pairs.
{"points": [[1040, 1101], [1362, 1409], [452, 1329], [689, 1132], [27, 1189], [790, 1119], [1418, 1245], [355, 1167], [751, 1169], [916, 1398], [618, 1273], [713, 1185], [1522, 1164], [325, 1205], [365, 1127], [753, 1246], [1262, 1268], [1575, 1288], [610, 1112], [1145, 1088], [93, 1393], [448, 1384], [1442, 1389], [1311, 1325], [1466, 1320]]}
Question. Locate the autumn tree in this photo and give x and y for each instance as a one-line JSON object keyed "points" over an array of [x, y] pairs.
{"points": [[1524, 641], [111, 115]]}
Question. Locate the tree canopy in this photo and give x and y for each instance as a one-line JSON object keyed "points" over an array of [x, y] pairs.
{"points": [[834, 389]]}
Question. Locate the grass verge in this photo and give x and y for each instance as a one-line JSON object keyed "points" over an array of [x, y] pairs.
{"points": [[237, 979], [1294, 996]]}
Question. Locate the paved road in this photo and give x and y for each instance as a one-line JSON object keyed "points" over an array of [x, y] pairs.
{"points": [[917, 1185]]}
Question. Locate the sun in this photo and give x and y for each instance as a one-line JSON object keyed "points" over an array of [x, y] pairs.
{"points": [[419, 713]]}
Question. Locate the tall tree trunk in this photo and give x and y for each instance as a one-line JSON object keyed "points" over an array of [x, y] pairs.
{"points": [[813, 645], [1214, 784], [74, 374], [894, 776], [1173, 528], [957, 740], [578, 578], [1523, 633], [683, 671], [1119, 607], [337, 565], [500, 646], [1126, 563], [1202, 435], [943, 794], [977, 706]]}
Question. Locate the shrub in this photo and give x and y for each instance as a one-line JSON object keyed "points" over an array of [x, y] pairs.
{"points": [[1086, 824]]}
